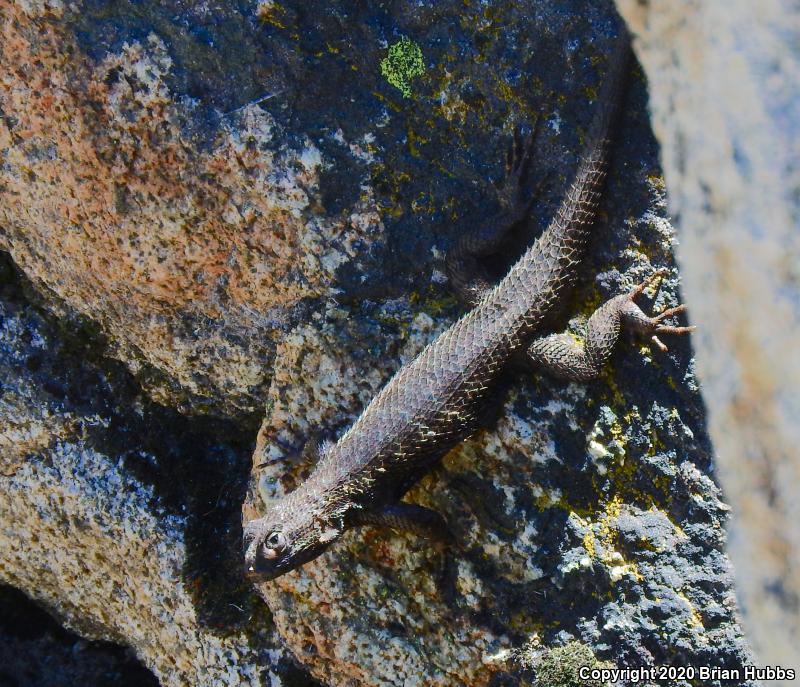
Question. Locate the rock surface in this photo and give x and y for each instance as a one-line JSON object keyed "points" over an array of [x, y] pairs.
{"points": [[36, 652], [249, 213], [182, 232], [725, 96], [586, 514]]}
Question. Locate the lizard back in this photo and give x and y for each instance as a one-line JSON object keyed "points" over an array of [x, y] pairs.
{"points": [[434, 402]]}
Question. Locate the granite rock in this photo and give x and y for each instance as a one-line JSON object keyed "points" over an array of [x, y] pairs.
{"points": [[587, 515], [36, 652], [185, 233]]}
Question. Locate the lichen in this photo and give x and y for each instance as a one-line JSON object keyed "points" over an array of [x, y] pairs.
{"points": [[402, 64], [560, 666]]}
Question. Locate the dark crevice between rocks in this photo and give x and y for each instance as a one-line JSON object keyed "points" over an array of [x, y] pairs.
{"points": [[197, 466], [36, 651]]}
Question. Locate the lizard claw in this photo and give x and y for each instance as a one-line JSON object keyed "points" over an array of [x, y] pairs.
{"points": [[520, 154], [306, 449], [668, 329], [637, 320], [660, 273]]}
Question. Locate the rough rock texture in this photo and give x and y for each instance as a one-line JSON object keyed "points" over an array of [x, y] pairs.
{"points": [[236, 250], [725, 97], [179, 230], [36, 652], [587, 513], [96, 525]]}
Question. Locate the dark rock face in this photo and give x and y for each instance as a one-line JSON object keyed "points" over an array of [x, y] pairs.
{"points": [[251, 215], [36, 652]]}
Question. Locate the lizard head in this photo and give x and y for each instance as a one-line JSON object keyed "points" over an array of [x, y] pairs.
{"points": [[274, 545]]}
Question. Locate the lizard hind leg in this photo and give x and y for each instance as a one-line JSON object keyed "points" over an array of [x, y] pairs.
{"points": [[569, 357], [468, 277], [635, 318]]}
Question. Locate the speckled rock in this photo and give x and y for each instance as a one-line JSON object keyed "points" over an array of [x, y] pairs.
{"points": [[725, 97], [36, 652], [188, 248], [90, 529], [250, 214]]}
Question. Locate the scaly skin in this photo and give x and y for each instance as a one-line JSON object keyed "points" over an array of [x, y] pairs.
{"points": [[435, 401]]}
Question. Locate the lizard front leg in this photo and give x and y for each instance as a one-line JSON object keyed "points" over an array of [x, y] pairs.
{"points": [[563, 355], [406, 517]]}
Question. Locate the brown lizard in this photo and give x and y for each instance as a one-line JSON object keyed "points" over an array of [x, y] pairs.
{"points": [[436, 400]]}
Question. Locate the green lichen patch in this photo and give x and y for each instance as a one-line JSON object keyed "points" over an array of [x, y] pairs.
{"points": [[402, 64], [561, 666]]}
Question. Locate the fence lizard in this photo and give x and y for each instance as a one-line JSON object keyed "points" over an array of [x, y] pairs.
{"points": [[436, 400]]}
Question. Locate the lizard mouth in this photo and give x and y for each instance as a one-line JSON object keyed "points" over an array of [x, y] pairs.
{"points": [[259, 560], [261, 563]]}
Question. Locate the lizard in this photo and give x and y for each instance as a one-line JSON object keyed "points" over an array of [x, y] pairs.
{"points": [[438, 399]]}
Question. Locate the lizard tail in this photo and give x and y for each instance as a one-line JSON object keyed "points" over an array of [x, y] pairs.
{"points": [[611, 95], [549, 267]]}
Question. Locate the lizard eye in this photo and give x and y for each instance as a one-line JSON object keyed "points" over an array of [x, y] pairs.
{"points": [[274, 544]]}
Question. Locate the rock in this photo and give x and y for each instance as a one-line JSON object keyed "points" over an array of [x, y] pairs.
{"points": [[96, 526], [36, 652], [184, 233], [250, 213], [725, 96]]}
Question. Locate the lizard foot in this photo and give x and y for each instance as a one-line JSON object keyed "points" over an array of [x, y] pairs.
{"points": [[511, 191], [468, 276], [637, 320], [306, 448]]}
